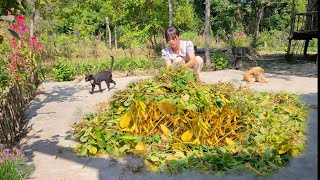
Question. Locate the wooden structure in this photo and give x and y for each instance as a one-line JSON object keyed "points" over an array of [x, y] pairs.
{"points": [[304, 26], [13, 103]]}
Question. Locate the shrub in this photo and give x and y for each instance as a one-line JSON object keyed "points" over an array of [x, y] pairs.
{"points": [[13, 164], [62, 71], [220, 60]]}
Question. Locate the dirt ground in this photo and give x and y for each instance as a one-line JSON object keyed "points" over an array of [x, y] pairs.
{"points": [[58, 105]]}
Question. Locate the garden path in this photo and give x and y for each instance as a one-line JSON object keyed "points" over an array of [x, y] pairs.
{"points": [[60, 104]]}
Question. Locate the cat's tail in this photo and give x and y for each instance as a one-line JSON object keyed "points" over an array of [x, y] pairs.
{"points": [[111, 65]]}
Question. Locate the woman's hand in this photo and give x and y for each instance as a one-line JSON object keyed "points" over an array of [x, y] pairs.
{"points": [[192, 60]]}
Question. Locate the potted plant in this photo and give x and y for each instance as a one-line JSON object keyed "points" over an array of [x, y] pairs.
{"points": [[240, 43]]}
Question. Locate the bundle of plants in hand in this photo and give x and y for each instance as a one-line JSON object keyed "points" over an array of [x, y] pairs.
{"points": [[13, 164], [175, 122]]}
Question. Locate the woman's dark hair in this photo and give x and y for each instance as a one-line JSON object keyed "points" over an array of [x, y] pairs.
{"points": [[171, 31]]}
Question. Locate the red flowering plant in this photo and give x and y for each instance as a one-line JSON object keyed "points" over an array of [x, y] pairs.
{"points": [[24, 50]]}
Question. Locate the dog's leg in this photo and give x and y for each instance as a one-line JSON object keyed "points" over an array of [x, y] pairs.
{"points": [[108, 85], [113, 81], [100, 87], [92, 85]]}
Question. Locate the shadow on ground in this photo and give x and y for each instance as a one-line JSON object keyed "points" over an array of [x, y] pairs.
{"points": [[276, 64]]}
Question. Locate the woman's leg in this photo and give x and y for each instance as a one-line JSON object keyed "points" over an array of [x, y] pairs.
{"points": [[199, 65]]}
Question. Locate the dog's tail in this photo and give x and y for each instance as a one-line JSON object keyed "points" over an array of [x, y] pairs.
{"points": [[111, 65]]}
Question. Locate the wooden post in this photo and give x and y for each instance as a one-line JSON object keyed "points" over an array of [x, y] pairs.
{"points": [[305, 48], [291, 26]]}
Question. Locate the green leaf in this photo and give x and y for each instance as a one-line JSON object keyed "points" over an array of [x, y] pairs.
{"points": [[7, 18], [273, 165], [128, 137], [88, 132], [138, 139], [180, 84], [83, 151], [127, 102], [102, 144], [124, 148], [267, 153], [84, 138], [193, 107], [13, 33], [185, 97], [154, 158]]}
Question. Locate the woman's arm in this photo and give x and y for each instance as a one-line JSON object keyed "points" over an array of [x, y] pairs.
{"points": [[165, 57], [190, 54]]}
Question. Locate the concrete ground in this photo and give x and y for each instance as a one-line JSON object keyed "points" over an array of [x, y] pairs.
{"points": [[61, 104]]}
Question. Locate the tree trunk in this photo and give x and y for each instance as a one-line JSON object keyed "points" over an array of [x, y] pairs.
{"points": [[170, 12], [115, 37], [259, 16], [34, 9], [207, 33]]}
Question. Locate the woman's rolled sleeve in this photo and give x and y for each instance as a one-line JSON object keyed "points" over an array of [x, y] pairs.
{"points": [[165, 55], [190, 47]]}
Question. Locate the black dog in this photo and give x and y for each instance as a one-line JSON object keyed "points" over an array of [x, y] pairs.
{"points": [[106, 76]]}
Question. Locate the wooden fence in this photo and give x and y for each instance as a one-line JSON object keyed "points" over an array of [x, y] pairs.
{"points": [[12, 107]]}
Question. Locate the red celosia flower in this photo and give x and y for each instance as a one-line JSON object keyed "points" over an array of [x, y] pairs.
{"points": [[39, 46], [32, 41], [20, 20]]}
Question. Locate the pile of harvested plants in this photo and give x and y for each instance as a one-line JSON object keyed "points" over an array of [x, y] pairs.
{"points": [[177, 123]]}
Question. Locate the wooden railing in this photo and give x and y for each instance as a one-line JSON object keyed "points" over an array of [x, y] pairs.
{"points": [[13, 104], [304, 22]]}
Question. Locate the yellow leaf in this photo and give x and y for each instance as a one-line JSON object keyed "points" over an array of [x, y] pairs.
{"points": [[125, 121], [284, 149], [142, 106], [133, 127], [179, 154], [92, 149], [165, 130], [229, 141], [140, 146], [170, 157], [294, 152], [120, 109], [196, 142], [187, 136], [166, 108]]}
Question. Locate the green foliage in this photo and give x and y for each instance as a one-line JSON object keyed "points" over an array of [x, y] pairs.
{"points": [[274, 39], [5, 78], [62, 71], [220, 60]]}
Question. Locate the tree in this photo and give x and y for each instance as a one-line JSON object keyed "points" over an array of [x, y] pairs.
{"points": [[170, 12], [207, 33]]}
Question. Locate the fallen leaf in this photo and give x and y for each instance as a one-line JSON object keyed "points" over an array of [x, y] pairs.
{"points": [[125, 121], [140, 146], [165, 130], [229, 141], [186, 136]]}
